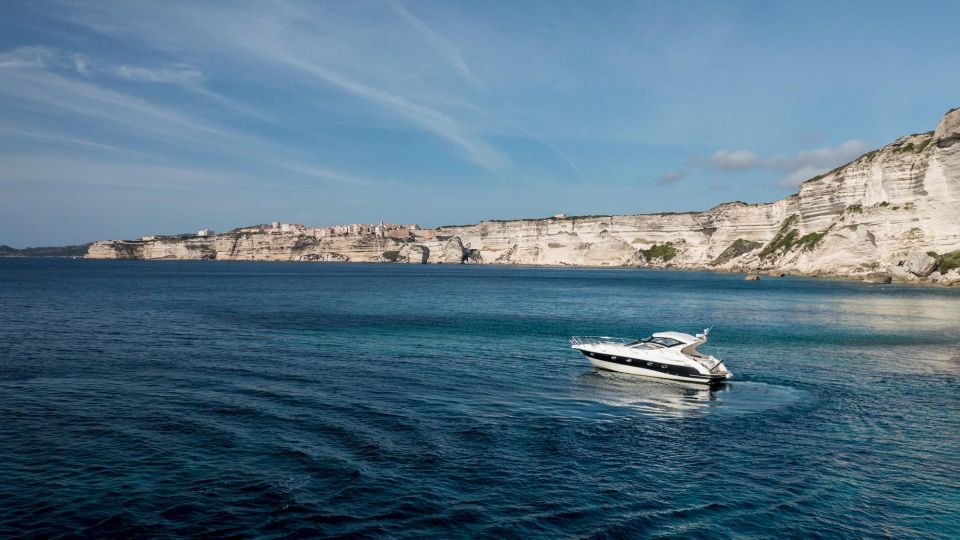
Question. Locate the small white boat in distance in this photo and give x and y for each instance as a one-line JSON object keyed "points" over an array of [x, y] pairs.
{"points": [[665, 355]]}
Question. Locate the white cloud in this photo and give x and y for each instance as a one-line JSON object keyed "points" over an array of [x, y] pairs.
{"points": [[183, 75], [796, 168], [670, 177], [679, 173], [807, 164], [725, 160], [799, 176]]}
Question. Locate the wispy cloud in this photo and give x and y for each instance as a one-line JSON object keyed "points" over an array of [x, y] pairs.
{"points": [[444, 47], [30, 56], [51, 58], [478, 151], [19, 132], [301, 36], [725, 160], [83, 99], [184, 75], [31, 79], [807, 164], [546, 144], [44, 169], [329, 174]]}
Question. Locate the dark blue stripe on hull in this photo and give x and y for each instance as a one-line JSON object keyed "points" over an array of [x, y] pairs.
{"points": [[656, 368]]}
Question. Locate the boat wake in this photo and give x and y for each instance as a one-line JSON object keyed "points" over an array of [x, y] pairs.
{"points": [[673, 399]]}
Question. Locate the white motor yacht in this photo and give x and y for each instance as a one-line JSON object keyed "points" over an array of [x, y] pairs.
{"points": [[665, 355]]}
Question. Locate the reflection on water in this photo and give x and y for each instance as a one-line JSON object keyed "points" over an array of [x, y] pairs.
{"points": [[674, 399], [882, 310]]}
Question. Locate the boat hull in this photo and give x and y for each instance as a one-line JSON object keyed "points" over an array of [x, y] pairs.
{"points": [[656, 370]]}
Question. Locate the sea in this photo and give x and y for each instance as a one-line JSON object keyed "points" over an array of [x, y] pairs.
{"points": [[283, 400]]}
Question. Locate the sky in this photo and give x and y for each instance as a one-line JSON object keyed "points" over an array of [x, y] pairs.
{"points": [[122, 119]]}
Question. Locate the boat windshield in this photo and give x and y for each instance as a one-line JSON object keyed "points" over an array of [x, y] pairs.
{"points": [[661, 341]]}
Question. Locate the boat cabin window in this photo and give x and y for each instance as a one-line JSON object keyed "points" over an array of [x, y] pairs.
{"points": [[662, 341]]}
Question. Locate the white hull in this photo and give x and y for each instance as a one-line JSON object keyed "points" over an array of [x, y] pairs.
{"points": [[610, 366]]}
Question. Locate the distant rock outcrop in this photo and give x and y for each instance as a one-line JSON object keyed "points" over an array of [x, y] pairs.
{"points": [[55, 251], [877, 277]]}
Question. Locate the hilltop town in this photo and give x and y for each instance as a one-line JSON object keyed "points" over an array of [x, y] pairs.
{"points": [[380, 230]]}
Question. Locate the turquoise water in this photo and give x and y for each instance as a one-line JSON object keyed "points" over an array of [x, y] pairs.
{"points": [[237, 399]]}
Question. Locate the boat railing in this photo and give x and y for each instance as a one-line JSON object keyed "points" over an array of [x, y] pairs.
{"points": [[599, 340]]}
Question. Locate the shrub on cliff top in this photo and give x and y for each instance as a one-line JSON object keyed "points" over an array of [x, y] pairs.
{"points": [[909, 147]]}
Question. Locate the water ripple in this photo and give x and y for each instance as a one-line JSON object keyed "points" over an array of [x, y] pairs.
{"points": [[236, 400]]}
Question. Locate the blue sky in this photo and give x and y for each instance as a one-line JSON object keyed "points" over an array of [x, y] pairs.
{"points": [[119, 119]]}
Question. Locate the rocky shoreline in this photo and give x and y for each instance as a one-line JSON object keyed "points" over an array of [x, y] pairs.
{"points": [[892, 215]]}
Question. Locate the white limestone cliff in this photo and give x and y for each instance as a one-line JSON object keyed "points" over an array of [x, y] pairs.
{"points": [[869, 215]]}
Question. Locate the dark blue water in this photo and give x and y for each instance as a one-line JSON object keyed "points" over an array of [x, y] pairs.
{"points": [[238, 399]]}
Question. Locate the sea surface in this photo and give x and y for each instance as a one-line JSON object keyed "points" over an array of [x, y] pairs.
{"points": [[232, 399]]}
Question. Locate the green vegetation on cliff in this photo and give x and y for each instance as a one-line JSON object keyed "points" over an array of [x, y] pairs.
{"points": [[788, 238], [783, 239], [737, 248], [810, 240], [664, 252], [949, 261]]}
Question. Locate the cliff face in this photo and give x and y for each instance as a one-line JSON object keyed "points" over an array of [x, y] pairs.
{"points": [[270, 246], [865, 216]]}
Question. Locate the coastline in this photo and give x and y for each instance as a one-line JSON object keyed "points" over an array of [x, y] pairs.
{"points": [[889, 215], [763, 275]]}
